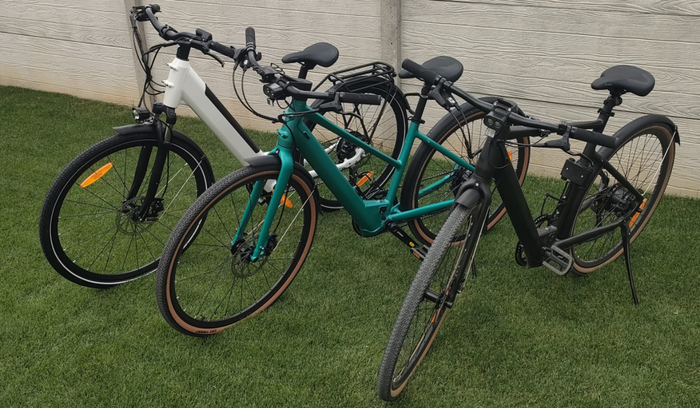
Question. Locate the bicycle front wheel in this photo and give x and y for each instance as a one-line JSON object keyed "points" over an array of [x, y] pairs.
{"points": [[645, 158], [89, 226], [215, 284], [432, 177], [439, 278]]}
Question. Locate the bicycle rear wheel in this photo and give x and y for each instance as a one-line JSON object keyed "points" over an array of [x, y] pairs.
{"points": [[215, 284], [381, 126], [645, 159], [88, 226], [432, 177], [428, 300]]}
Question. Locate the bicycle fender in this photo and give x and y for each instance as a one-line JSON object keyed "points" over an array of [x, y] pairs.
{"points": [[129, 130], [400, 96], [489, 99], [629, 129], [465, 195]]}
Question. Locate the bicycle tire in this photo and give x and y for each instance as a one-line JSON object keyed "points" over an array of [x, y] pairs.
{"points": [[426, 167], [600, 196], [62, 232], [391, 122], [179, 281], [461, 221]]}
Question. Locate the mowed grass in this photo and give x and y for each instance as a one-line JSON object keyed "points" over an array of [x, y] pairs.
{"points": [[515, 336]]}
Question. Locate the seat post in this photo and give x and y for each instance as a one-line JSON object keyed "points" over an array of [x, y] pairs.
{"points": [[606, 112], [302, 71], [305, 69]]}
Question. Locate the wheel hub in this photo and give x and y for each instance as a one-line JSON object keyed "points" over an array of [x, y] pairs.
{"points": [[127, 220], [242, 253], [617, 200]]}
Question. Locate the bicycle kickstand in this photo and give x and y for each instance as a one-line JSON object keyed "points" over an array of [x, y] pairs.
{"points": [[625, 229]]}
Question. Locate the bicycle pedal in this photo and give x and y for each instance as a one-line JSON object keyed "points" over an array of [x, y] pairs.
{"points": [[557, 260], [420, 252]]}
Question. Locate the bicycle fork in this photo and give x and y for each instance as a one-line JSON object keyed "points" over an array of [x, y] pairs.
{"points": [[287, 166], [163, 148]]}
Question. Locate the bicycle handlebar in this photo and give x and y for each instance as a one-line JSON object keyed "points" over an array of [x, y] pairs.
{"points": [[250, 39], [432, 78], [147, 13], [202, 41]]}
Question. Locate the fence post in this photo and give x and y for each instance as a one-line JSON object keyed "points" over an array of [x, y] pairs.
{"points": [[390, 22]]}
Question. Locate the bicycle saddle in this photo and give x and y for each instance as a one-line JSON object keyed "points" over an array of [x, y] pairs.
{"points": [[322, 54], [625, 78], [447, 67]]}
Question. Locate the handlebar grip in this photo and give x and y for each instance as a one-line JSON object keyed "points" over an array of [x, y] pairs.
{"points": [[250, 38], [155, 7], [426, 75], [365, 99], [222, 49], [594, 137]]}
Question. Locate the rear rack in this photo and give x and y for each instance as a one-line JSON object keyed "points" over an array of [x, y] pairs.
{"points": [[349, 75]]}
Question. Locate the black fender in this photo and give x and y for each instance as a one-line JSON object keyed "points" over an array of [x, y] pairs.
{"points": [[471, 193], [140, 129], [273, 159], [377, 80], [446, 121], [467, 199], [629, 129], [466, 107]]}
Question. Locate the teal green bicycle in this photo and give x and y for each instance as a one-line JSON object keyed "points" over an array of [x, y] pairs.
{"points": [[242, 242]]}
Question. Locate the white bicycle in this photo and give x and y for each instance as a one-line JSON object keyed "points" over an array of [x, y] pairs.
{"points": [[106, 217]]}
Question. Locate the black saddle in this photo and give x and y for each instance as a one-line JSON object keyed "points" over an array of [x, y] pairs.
{"points": [[322, 54], [447, 67], [625, 78]]}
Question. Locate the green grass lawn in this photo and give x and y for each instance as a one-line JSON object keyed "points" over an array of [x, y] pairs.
{"points": [[514, 337]]}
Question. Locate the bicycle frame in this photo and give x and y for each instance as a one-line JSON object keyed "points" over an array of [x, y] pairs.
{"points": [[494, 165], [371, 216], [184, 85]]}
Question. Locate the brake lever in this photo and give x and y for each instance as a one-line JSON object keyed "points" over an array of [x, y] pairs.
{"points": [[213, 56], [562, 143], [442, 97]]}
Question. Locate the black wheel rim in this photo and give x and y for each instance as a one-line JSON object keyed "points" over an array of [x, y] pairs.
{"points": [[465, 141], [429, 314], [643, 160], [96, 235], [383, 127]]}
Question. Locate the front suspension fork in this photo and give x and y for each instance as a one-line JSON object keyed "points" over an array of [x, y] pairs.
{"points": [[163, 148]]}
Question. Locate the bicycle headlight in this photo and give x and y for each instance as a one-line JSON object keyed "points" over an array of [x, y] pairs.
{"points": [[492, 122], [141, 114]]}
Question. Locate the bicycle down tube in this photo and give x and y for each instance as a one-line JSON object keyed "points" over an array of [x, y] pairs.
{"points": [[183, 84]]}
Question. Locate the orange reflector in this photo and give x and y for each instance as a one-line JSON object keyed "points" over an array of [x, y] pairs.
{"points": [[96, 175], [365, 179], [510, 155], [433, 319], [635, 216], [287, 202]]}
